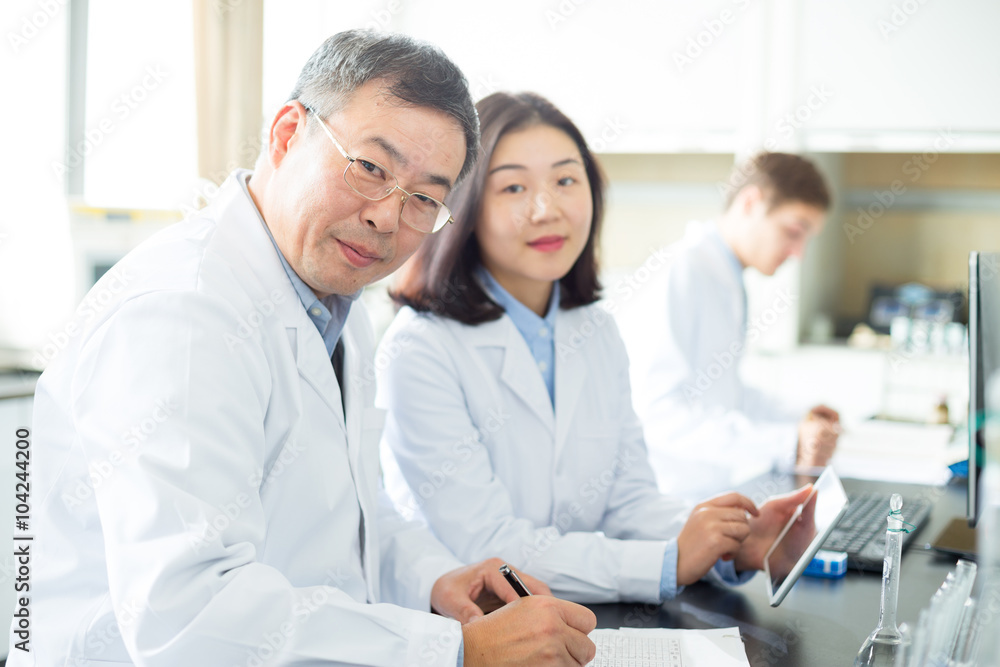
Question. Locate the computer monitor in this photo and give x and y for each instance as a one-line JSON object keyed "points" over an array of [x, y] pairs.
{"points": [[984, 361], [959, 536]]}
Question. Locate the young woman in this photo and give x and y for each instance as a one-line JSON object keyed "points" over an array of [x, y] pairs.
{"points": [[506, 385]]}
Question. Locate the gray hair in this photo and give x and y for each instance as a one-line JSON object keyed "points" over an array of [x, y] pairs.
{"points": [[416, 73]]}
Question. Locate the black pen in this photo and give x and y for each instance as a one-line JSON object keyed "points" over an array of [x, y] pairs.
{"points": [[514, 581]]}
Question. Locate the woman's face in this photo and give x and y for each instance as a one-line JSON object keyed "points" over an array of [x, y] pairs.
{"points": [[536, 209]]}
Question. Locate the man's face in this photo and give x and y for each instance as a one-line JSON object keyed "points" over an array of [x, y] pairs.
{"points": [[781, 232], [336, 240]]}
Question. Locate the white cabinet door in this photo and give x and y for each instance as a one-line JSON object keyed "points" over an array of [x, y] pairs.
{"points": [[901, 74], [663, 76]]}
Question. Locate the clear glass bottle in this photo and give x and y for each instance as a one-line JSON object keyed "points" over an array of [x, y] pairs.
{"points": [[886, 641]]}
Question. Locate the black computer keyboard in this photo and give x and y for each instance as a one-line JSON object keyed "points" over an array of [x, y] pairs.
{"points": [[861, 532]]}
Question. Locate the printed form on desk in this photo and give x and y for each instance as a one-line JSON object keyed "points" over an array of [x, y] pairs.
{"points": [[646, 647], [897, 452]]}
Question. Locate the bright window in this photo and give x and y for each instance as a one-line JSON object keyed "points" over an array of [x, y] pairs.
{"points": [[140, 139]]}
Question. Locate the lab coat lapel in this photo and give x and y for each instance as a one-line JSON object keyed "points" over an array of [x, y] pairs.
{"points": [[571, 369], [312, 362], [519, 371], [262, 264], [363, 423]]}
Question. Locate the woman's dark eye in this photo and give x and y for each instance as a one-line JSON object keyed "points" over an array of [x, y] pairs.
{"points": [[514, 189]]}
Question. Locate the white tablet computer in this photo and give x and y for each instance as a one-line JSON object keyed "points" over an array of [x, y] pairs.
{"points": [[802, 536]]}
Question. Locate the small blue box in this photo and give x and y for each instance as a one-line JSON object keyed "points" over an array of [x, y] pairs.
{"points": [[827, 565]]}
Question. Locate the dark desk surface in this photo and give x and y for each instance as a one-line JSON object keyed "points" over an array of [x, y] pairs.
{"points": [[821, 621]]}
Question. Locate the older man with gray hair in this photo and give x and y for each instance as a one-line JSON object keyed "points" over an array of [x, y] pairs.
{"points": [[245, 525]]}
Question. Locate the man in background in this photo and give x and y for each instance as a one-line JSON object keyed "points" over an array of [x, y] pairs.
{"points": [[686, 331]]}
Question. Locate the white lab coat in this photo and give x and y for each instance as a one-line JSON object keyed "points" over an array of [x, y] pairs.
{"points": [[496, 471], [683, 322], [228, 517]]}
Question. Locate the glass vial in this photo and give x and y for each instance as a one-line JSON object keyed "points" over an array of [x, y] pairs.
{"points": [[885, 641]]}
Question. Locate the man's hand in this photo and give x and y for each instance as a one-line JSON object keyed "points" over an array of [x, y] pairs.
{"points": [[715, 529], [537, 630], [456, 593], [764, 527], [818, 436]]}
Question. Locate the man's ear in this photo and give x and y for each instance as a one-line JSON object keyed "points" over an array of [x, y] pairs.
{"points": [[750, 197], [287, 129]]}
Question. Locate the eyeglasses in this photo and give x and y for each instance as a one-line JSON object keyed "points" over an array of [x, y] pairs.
{"points": [[374, 182]]}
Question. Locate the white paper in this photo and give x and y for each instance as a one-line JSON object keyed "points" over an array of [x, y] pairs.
{"points": [[895, 452], [715, 647]]}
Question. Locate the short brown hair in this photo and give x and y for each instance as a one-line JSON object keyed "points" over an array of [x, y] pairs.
{"points": [[440, 275], [783, 178]]}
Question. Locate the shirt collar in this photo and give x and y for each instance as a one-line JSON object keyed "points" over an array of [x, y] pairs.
{"points": [[734, 262], [526, 320]]}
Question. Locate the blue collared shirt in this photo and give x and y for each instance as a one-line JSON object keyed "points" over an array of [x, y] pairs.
{"points": [[329, 313], [538, 332], [726, 570]]}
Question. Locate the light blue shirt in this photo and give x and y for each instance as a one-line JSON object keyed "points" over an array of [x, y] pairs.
{"points": [[538, 332], [329, 313], [726, 570]]}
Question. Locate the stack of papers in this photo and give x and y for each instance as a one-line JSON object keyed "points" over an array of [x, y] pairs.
{"points": [[895, 452], [716, 647]]}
